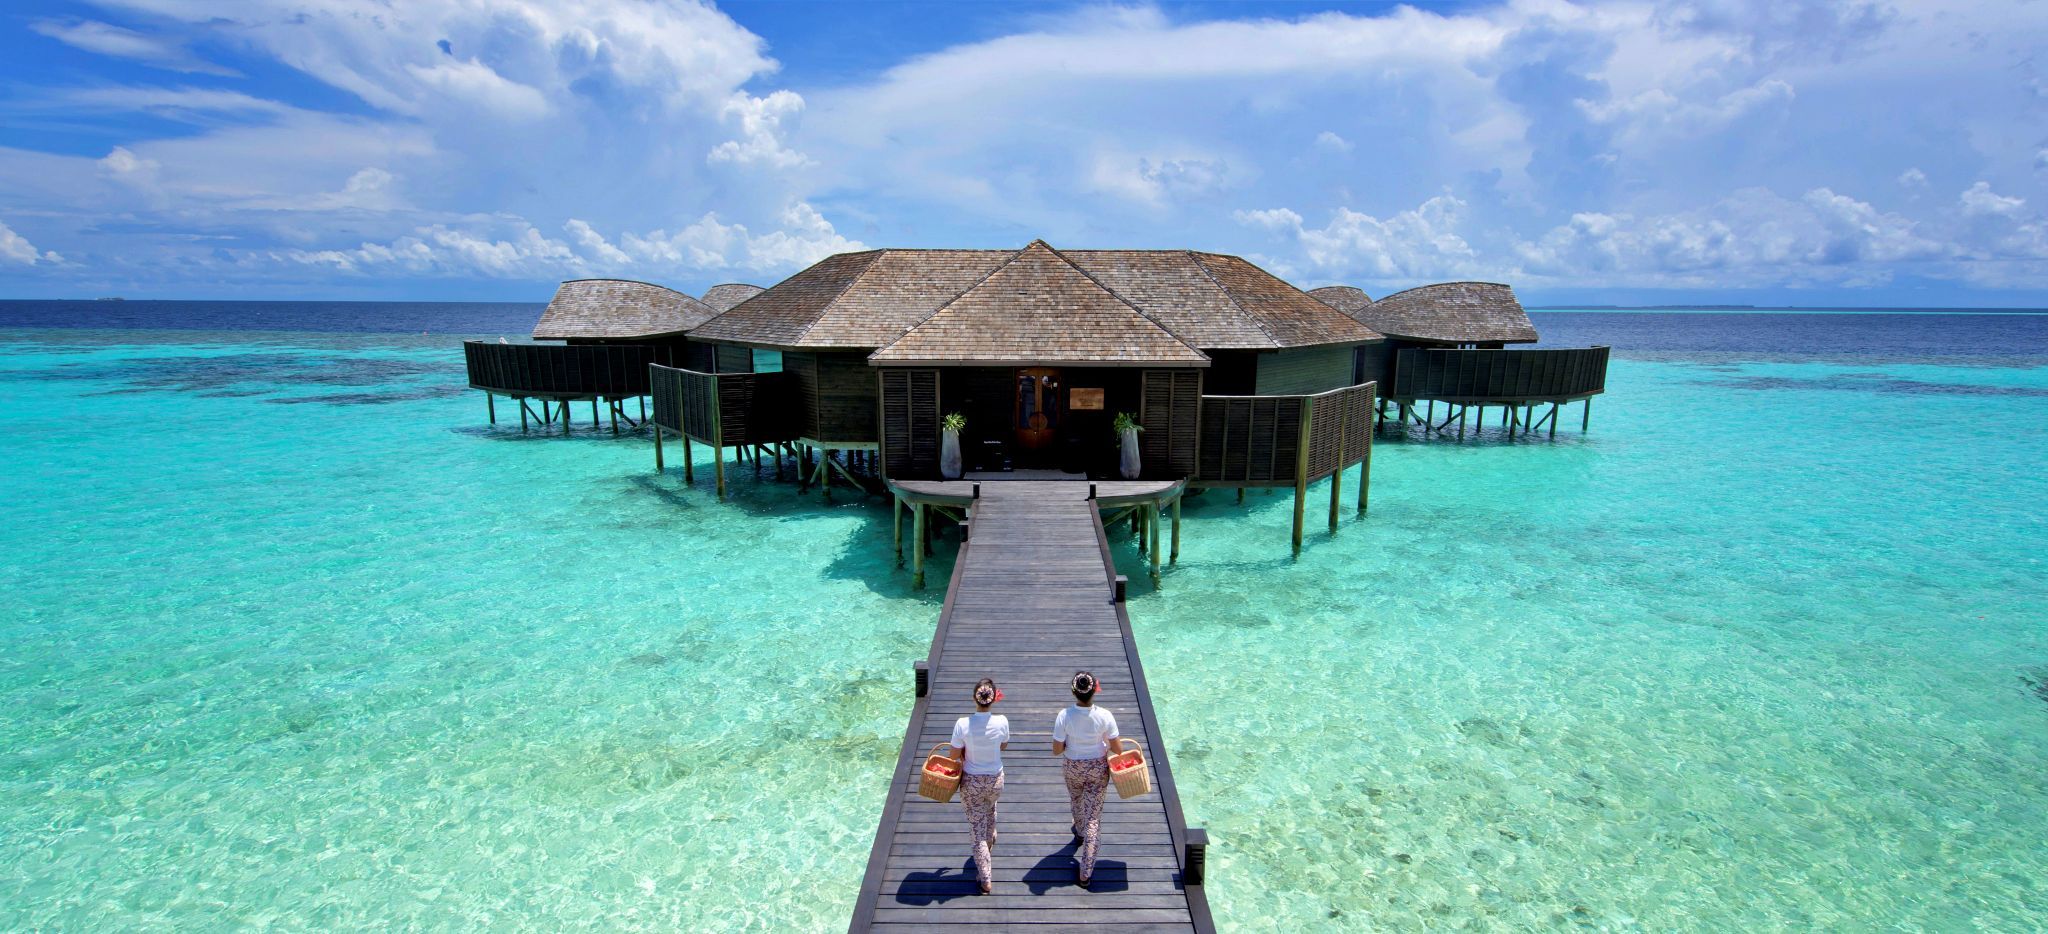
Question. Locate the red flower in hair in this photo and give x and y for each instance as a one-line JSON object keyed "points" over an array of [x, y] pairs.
{"points": [[999, 695]]}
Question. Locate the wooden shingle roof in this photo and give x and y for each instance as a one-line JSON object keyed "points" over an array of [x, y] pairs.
{"points": [[618, 309], [865, 300], [1218, 302], [1038, 307], [853, 300], [721, 298], [1349, 299], [1452, 312]]}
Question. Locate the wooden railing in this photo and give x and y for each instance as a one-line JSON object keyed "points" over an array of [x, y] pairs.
{"points": [[613, 371], [1289, 441], [723, 409], [1497, 376], [1260, 440]]}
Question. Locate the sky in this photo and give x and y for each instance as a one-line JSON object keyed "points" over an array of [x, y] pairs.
{"points": [[1770, 153]]}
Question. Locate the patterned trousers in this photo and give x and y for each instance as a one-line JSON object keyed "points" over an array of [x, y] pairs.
{"points": [[979, 793], [1086, 779]]}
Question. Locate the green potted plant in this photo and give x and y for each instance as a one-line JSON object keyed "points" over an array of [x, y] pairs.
{"points": [[949, 444], [1127, 429]]}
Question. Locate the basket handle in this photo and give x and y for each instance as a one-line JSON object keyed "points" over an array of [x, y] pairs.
{"points": [[935, 750], [1126, 744]]}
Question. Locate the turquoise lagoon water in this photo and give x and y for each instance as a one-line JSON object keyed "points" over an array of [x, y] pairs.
{"points": [[294, 639]]}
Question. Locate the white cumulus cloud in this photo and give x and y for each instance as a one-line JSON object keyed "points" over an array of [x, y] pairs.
{"points": [[15, 249], [1980, 199], [760, 126], [1421, 243]]}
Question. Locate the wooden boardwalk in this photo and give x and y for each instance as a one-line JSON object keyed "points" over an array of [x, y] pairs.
{"points": [[1031, 602]]}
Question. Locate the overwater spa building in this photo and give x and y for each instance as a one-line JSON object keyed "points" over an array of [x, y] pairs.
{"points": [[1237, 377]]}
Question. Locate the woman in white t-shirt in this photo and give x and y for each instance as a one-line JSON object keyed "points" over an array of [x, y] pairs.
{"points": [[1083, 736], [981, 738]]}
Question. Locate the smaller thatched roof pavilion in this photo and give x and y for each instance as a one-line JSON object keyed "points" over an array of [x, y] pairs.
{"points": [[618, 309], [722, 298], [1349, 299], [1447, 313]]}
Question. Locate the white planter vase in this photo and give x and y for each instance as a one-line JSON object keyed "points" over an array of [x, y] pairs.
{"points": [[1130, 465], [949, 455]]}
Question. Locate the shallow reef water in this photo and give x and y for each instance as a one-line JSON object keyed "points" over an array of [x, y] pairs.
{"points": [[1764, 648]]}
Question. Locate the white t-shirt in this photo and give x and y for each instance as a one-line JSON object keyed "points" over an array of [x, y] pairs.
{"points": [[982, 735], [1086, 731]]}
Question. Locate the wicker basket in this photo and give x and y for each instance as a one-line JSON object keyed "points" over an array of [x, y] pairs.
{"points": [[940, 777], [1129, 770]]}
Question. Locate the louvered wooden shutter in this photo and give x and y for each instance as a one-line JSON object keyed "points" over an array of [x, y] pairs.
{"points": [[910, 423], [1171, 412]]}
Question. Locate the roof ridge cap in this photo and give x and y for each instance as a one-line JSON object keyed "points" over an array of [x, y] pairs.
{"points": [[634, 281], [1196, 258], [1127, 303], [826, 308]]}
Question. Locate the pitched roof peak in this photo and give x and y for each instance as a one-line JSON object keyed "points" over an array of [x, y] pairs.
{"points": [[1038, 306]]}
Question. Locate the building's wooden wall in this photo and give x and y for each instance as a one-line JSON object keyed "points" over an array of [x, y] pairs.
{"points": [[1373, 363], [1232, 373], [1304, 370], [837, 392], [733, 358], [701, 357]]}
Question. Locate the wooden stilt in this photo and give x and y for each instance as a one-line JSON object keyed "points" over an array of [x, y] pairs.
{"points": [[1586, 415], [1429, 414], [491, 405], [896, 515], [1364, 479], [718, 467], [615, 417], [643, 407], [657, 449], [825, 474], [1240, 496], [1152, 523], [522, 416], [1461, 422], [689, 470], [1553, 421], [594, 424], [1301, 447], [1337, 476], [565, 417], [1174, 556], [917, 547]]}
